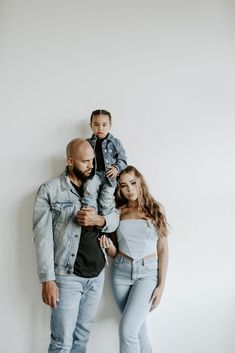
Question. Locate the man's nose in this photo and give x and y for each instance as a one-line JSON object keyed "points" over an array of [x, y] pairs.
{"points": [[90, 164]]}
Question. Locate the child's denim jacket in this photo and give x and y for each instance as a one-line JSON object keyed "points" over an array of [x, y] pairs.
{"points": [[113, 153]]}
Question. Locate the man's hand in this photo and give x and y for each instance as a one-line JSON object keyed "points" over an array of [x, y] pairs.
{"points": [[112, 172], [50, 293], [88, 217]]}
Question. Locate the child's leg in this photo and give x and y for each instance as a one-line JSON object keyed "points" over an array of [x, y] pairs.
{"points": [[90, 189], [106, 200]]}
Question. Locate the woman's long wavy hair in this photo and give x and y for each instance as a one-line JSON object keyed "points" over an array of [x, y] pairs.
{"points": [[150, 207]]}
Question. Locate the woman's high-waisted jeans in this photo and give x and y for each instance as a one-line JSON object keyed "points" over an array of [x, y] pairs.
{"points": [[133, 282]]}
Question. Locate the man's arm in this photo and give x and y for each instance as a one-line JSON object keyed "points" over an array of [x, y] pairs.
{"points": [[43, 239], [43, 235], [89, 217]]}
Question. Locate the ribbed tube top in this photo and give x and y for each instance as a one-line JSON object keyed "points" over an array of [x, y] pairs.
{"points": [[137, 238]]}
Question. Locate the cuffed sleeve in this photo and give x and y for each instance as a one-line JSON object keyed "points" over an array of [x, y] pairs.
{"points": [[111, 221]]}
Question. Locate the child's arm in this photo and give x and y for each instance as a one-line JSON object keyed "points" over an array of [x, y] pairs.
{"points": [[112, 172], [121, 161]]}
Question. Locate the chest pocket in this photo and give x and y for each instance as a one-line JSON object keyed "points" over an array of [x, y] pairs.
{"points": [[61, 206], [61, 212]]}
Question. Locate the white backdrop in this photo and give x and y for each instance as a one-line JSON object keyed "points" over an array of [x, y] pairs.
{"points": [[165, 70]]}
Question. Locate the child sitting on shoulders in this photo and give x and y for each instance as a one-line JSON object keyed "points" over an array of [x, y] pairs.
{"points": [[110, 161]]}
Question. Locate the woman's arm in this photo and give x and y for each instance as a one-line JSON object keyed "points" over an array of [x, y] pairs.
{"points": [[162, 251]]}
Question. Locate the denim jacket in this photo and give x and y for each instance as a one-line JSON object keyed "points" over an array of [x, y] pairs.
{"points": [[113, 153], [56, 231]]}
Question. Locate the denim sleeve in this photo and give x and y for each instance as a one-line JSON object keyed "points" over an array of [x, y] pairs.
{"points": [[112, 221], [43, 235], [121, 162]]}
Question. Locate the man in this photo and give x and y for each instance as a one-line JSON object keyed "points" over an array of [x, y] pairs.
{"points": [[70, 260]]}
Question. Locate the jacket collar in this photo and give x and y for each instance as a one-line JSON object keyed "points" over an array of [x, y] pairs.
{"points": [[65, 181]]}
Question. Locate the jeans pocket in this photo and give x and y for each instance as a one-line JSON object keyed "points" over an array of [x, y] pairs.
{"points": [[117, 261]]}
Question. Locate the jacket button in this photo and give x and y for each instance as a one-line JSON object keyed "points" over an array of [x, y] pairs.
{"points": [[76, 235], [72, 255]]}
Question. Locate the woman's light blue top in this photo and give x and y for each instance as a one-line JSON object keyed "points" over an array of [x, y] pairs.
{"points": [[137, 238]]}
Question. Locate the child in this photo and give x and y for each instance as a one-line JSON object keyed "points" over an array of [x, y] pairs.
{"points": [[110, 161]]}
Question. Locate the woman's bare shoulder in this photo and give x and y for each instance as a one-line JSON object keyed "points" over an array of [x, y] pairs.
{"points": [[122, 210]]}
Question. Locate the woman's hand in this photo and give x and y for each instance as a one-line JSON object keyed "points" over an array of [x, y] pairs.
{"points": [[106, 243], [155, 298]]}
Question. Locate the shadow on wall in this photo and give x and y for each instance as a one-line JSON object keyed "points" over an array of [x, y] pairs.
{"points": [[71, 129], [28, 284]]}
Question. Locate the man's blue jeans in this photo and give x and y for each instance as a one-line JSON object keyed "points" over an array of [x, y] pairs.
{"points": [[71, 321], [133, 283]]}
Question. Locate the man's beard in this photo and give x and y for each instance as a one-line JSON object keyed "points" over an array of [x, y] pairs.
{"points": [[80, 175]]}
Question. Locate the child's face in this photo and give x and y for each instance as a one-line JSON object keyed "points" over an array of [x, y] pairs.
{"points": [[100, 125]]}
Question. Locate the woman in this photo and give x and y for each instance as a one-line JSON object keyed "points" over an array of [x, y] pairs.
{"points": [[140, 265]]}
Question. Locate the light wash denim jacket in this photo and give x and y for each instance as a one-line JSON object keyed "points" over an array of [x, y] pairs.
{"points": [[113, 153], [56, 231]]}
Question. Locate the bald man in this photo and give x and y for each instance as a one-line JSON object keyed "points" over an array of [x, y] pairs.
{"points": [[70, 260]]}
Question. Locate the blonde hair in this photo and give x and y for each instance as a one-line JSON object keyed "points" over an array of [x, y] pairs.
{"points": [[146, 203]]}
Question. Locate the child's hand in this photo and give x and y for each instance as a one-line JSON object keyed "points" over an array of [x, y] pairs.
{"points": [[112, 172]]}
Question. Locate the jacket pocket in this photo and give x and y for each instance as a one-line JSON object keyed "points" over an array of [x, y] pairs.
{"points": [[61, 206]]}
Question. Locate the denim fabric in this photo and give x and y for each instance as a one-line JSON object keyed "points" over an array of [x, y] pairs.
{"points": [[99, 185], [113, 153], [56, 231], [131, 240], [133, 283], [71, 321]]}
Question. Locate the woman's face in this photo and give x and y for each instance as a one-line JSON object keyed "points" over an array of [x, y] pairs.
{"points": [[129, 186]]}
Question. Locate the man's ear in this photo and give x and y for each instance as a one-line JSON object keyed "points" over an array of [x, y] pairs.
{"points": [[70, 161]]}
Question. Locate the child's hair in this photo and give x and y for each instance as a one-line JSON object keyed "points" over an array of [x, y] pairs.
{"points": [[99, 112], [147, 203]]}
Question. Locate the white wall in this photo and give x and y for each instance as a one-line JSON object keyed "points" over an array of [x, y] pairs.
{"points": [[165, 69]]}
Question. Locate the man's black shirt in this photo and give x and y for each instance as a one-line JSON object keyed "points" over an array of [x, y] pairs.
{"points": [[90, 259]]}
